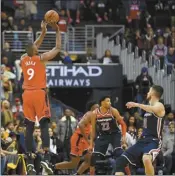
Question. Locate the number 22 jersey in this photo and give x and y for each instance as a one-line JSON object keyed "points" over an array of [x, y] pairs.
{"points": [[34, 72], [106, 123]]}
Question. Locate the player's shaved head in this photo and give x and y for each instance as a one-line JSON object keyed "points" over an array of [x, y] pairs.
{"points": [[158, 90], [31, 49]]}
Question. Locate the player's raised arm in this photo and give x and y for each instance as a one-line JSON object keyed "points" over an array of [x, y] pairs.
{"points": [[40, 39], [51, 54], [120, 121]]}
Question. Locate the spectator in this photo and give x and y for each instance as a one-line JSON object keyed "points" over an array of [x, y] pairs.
{"points": [[88, 57], [22, 25], [169, 118], [7, 72], [67, 59], [101, 11], [31, 9], [18, 110], [143, 83], [9, 127], [139, 133], [132, 127], [63, 21], [7, 88], [159, 52], [167, 147], [73, 7], [7, 66], [56, 148], [170, 60], [6, 113], [167, 35], [107, 58], [139, 41], [20, 12], [149, 40], [65, 129], [134, 11], [5, 24], [6, 52]]}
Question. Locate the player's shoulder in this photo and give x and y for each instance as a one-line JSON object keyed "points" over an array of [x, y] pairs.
{"points": [[114, 109], [23, 56], [160, 104]]}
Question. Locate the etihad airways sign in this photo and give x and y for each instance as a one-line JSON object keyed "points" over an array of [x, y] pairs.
{"points": [[83, 75]]}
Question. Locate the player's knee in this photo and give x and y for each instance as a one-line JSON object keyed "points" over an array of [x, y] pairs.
{"points": [[88, 158], [146, 159], [117, 152], [121, 163]]}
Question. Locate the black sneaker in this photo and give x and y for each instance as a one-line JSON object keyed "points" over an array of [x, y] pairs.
{"points": [[47, 167], [30, 169]]}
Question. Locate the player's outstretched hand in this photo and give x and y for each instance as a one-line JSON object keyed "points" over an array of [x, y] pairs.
{"points": [[44, 26], [131, 105]]}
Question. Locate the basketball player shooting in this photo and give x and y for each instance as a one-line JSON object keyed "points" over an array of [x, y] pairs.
{"points": [[35, 102], [149, 145]]}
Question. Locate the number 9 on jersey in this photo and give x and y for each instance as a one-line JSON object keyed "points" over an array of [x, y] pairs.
{"points": [[31, 73]]}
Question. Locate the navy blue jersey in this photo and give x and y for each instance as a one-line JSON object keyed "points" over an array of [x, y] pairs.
{"points": [[152, 125], [106, 123]]}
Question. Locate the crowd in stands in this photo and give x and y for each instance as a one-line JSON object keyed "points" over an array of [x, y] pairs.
{"points": [[142, 30]]}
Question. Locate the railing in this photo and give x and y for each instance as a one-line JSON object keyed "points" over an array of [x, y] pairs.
{"points": [[17, 39], [49, 41], [76, 40]]}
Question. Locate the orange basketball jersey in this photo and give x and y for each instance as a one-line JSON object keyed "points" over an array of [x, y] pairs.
{"points": [[87, 130], [34, 73]]}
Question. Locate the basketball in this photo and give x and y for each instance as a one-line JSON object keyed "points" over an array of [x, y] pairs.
{"points": [[51, 16]]}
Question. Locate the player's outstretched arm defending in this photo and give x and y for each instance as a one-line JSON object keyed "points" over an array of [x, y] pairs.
{"points": [[51, 54], [157, 108]]}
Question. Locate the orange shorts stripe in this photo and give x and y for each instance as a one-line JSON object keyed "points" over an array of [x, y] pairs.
{"points": [[35, 104], [78, 145]]}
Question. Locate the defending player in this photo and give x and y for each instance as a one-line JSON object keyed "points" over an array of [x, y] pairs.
{"points": [[80, 143], [35, 102], [149, 145], [105, 121]]}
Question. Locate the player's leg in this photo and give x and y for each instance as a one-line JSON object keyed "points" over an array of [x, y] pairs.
{"points": [[101, 145], [121, 163], [150, 152], [118, 150], [147, 161], [41, 105], [75, 154], [85, 165], [72, 164], [87, 157], [131, 155], [29, 114]]}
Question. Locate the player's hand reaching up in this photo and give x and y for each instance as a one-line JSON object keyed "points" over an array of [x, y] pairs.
{"points": [[44, 26]]}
